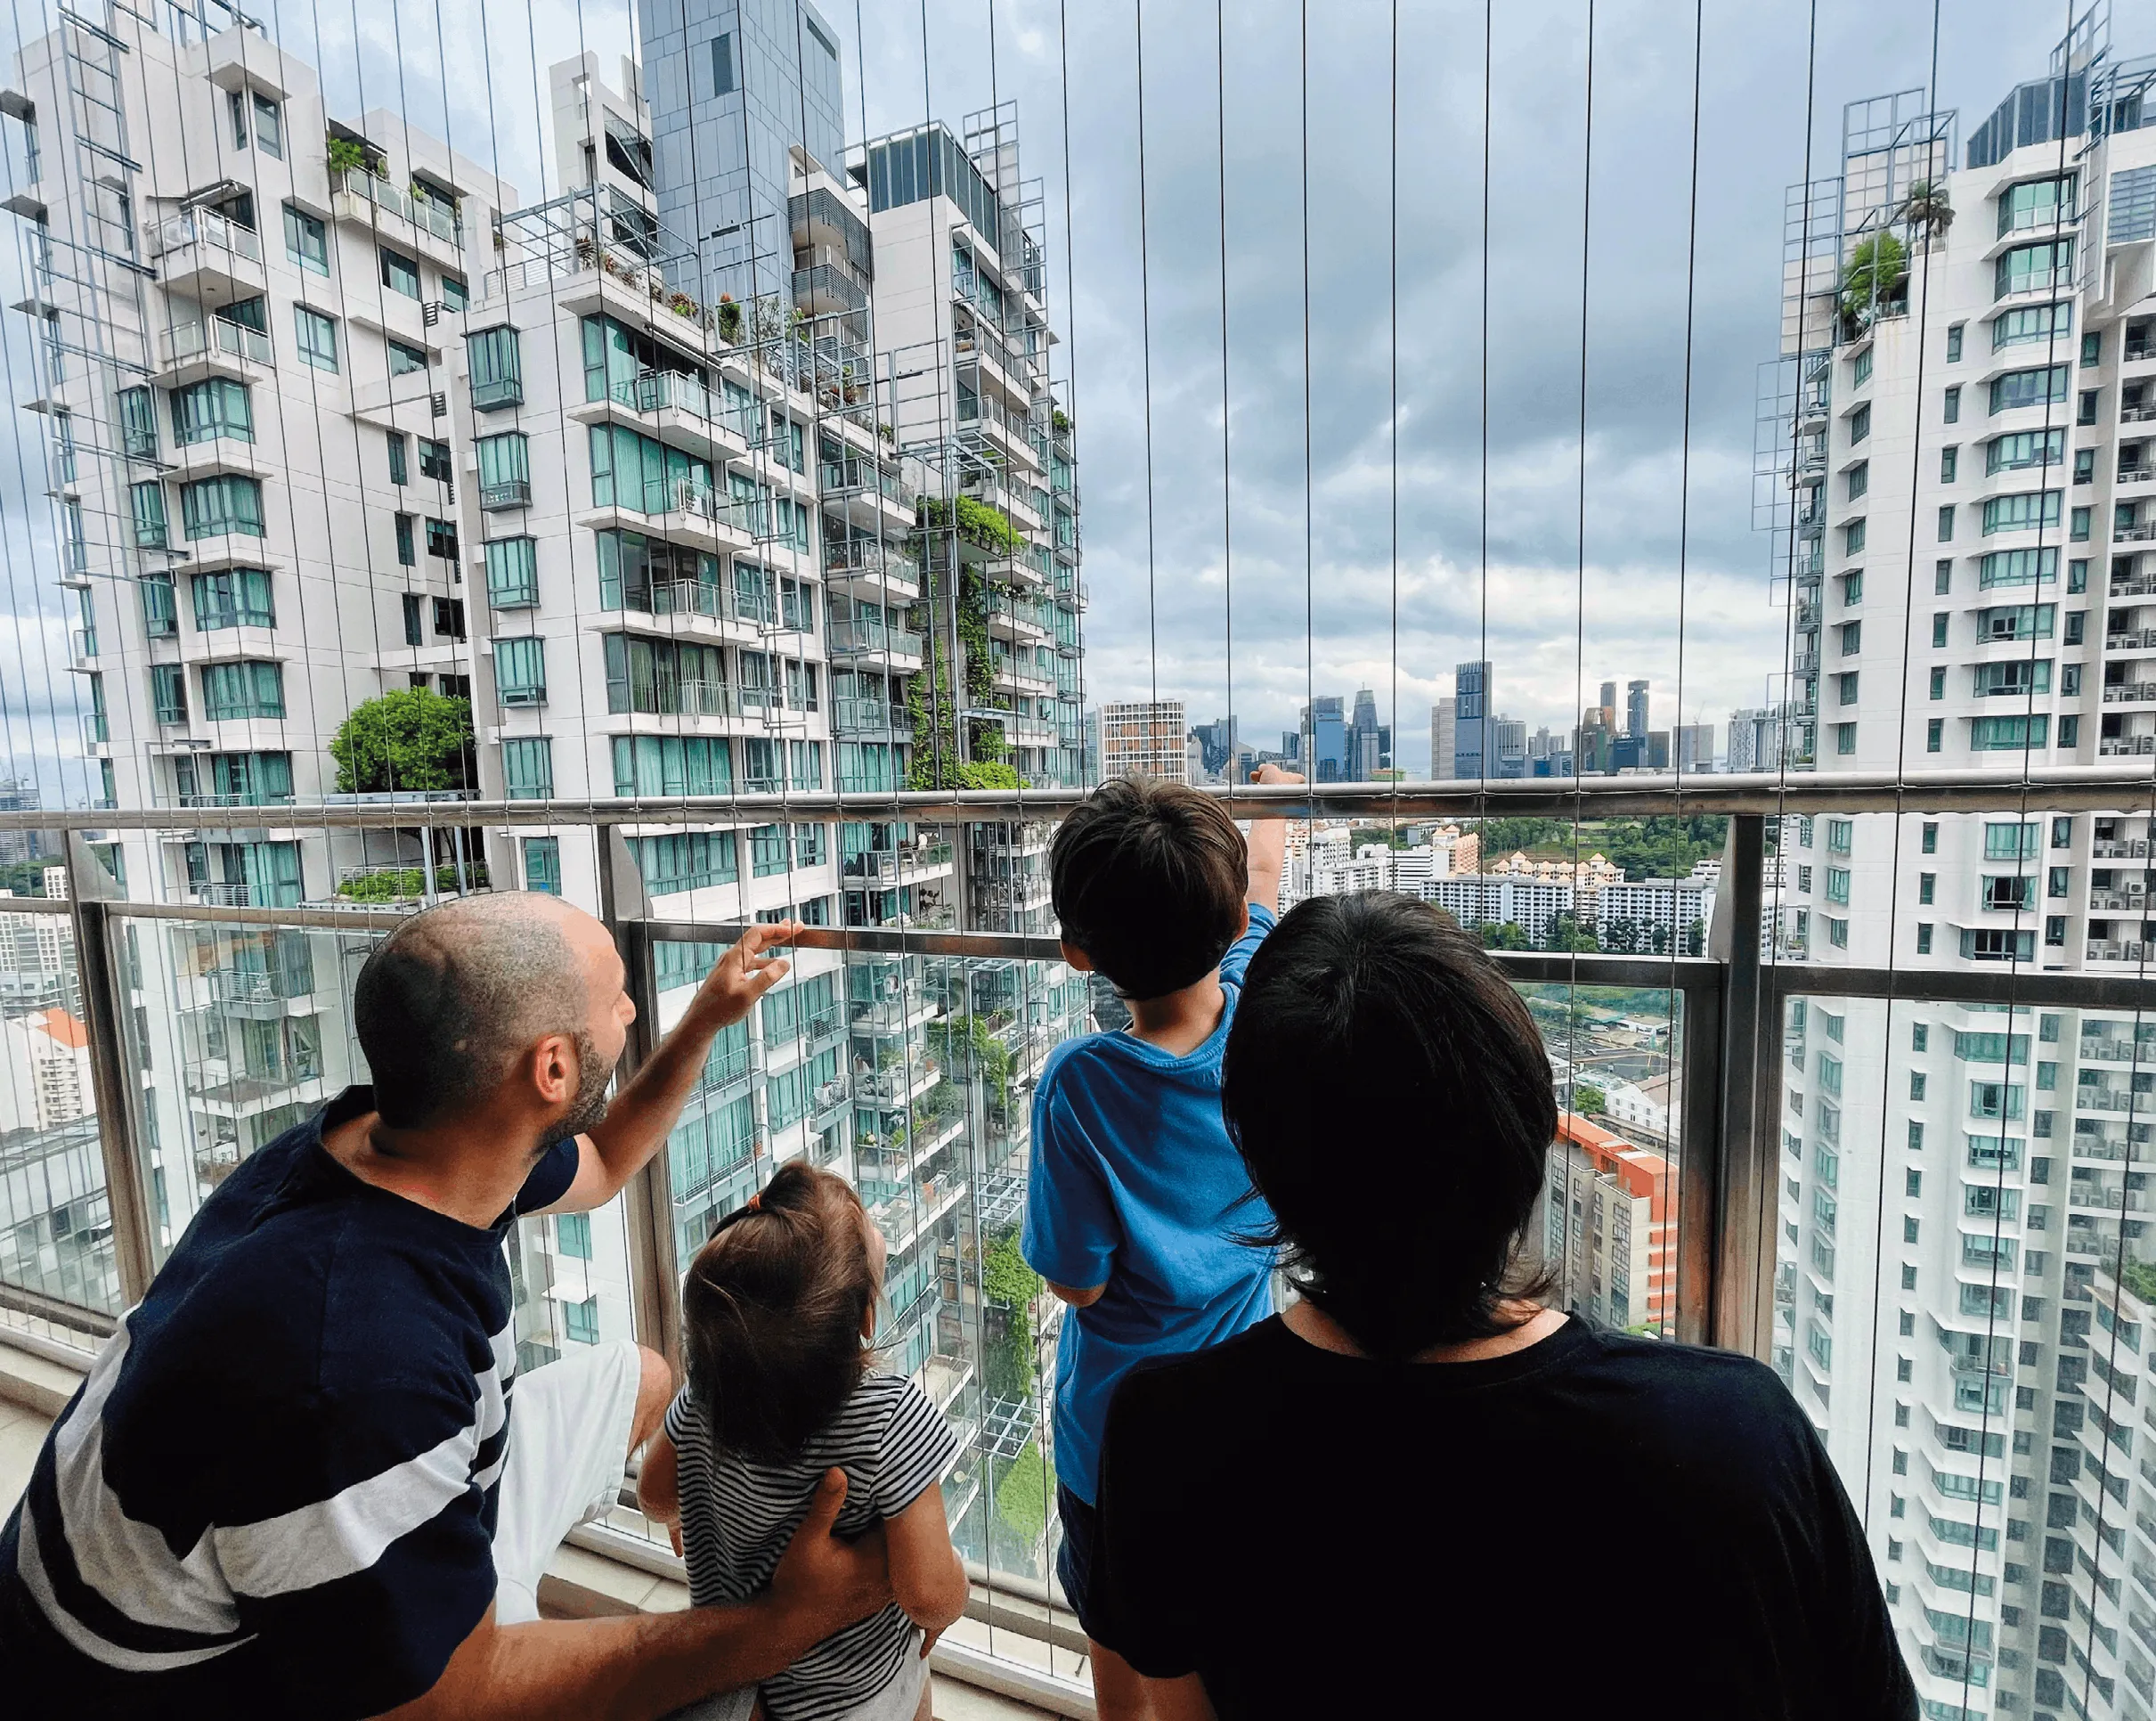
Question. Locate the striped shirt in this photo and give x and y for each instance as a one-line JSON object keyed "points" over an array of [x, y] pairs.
{"points": [[274, 1494], [737, 1516]]}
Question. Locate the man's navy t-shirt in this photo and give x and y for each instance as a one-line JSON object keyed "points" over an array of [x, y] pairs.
{"points": [[274, 1495], [1594, 1526]]}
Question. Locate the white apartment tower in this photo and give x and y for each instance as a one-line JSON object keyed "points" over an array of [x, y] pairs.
{"points": [[1970, 346]]}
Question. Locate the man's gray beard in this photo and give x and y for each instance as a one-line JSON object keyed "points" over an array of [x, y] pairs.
{"points": [[593, 1078]]}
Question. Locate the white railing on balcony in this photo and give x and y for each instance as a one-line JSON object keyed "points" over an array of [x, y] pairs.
{"points": [[205, 227], [188, 341], [419, 212]]}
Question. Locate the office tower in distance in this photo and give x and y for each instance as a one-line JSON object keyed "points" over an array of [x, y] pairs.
{"points": [[1510, 741], [1985, 393], [1635, 709], [1473, 753], [1444, 728], [1321, 748], [1216, 748], [1369, 743], [1146, 737]]}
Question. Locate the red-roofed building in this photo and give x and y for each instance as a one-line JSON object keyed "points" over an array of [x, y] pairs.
{"points": [[1607, 1227]]}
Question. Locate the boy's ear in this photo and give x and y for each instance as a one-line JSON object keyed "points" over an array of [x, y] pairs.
{"points": [[1075, 957], [1245, 927]]}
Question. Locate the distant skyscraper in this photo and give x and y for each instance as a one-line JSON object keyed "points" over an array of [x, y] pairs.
{"points": [[1635, 709], [1324, 749], [1444, 725], [1609, 704], [1472, 688], [1695, 747], [1216, 744], [1368, 743], [1511, 742]]}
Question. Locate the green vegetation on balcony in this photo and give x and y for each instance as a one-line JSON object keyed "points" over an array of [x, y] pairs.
{"points": [[1875, 278], [409, 741], [977, 523], [409, 884]]}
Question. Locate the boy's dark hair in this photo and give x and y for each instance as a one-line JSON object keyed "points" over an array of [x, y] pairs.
{"points": [[771, 1314], [1148, 879], [1373, 1020]]}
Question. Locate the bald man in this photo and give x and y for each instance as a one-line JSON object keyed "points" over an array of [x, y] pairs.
{"points": [[292, 1484]]}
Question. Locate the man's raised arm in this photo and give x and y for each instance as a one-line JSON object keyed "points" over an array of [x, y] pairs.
{"points": [[646, 1109]]}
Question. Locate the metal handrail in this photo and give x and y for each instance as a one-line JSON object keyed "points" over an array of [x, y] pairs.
{"points": [[2055, 789]]}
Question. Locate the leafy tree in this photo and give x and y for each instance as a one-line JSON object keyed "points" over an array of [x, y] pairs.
{"points": [[988, 774], [1009, 1286], [1566, 933], [411, 740], [1876, 272], [1504, 936], [1587, 1099], [1504, 836]]}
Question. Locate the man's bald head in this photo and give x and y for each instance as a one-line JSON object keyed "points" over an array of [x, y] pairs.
{"points": [[447, 1003]]}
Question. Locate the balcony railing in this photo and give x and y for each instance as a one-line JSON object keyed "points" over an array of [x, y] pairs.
{"points": [[911, 1071]]}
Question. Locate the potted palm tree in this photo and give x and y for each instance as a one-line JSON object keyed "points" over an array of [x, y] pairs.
{"points": [[1926, 207]]}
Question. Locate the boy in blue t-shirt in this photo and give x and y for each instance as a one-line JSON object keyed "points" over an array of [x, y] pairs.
{"points": [[1136, 1196]]}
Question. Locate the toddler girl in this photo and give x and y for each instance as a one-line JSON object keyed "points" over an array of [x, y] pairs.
{"points": [[777, 1312]]}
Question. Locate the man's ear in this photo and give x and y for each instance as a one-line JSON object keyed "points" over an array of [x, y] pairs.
{"points": [[551, 1066], [1075, 957]]}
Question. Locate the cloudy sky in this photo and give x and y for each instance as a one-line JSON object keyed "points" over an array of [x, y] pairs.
{"points": [[1353, 545]]}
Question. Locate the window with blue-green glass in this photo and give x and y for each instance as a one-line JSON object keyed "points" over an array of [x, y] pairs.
{"points": [[168, 692], [205, 410], [671, 766], [2046, 386], [234, 596], [400, 273], [138, 419], [520, 671], [229, 503], [2035, 268], [2024, 511], [542, 873], [408, 549], [161, 607], [571, 1231], [634, 471], [527, 764], [579, 1321], [404, 358], [247, 689], [2004, 734], [768, 849], [399, 468], [685, 861], [505, 471], [512, 573], [455, 295], [316, 335], [146, 502], [495, 360], [2032, 323], [307, 239]]}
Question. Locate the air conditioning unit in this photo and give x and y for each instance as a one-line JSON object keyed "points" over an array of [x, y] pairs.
{"points": [[440, 403], [430, 313]]}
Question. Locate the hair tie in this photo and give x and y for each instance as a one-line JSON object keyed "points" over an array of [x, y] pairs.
{"points": [[755, 1201]]}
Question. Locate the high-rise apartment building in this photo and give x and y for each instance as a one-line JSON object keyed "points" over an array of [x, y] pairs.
{"points": [[1145, 736], [1970, 366], [1605, 1223]]}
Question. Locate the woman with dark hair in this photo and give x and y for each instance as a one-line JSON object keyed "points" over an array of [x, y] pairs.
{"points": [[1418, 1491]]}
